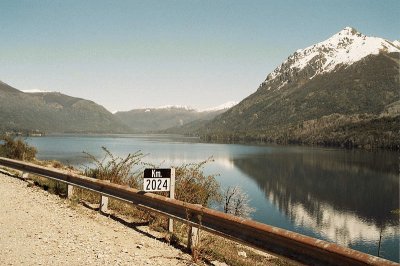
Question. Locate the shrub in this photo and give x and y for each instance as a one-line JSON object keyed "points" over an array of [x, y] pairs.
{"points": [[193, 186], [123, 171], [236, 202], [17, 149]]}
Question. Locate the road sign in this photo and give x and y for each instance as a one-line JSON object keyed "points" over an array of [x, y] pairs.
{"points": [[158, 179], [161, 180]]}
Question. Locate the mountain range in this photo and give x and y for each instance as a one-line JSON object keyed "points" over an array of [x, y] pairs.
{"points": [[148, 120], [53, 112], [343, 91]]}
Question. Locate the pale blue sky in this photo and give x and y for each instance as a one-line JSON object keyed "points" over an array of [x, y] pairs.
{"points": [[131, 54]]}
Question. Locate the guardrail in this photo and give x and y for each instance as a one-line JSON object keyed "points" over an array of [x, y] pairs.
{"points": [[271, 239]]}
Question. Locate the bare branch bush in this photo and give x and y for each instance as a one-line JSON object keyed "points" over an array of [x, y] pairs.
{"points": [[193, 186], [118, 170], [236, 202]]}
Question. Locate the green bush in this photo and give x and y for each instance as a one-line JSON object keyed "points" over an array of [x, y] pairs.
{"points": [[17, 148]]}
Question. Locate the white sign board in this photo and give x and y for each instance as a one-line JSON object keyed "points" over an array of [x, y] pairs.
{"points": [[157, 179]]}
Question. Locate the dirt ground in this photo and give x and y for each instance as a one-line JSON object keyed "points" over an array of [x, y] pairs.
{"points": [[39, 228]]}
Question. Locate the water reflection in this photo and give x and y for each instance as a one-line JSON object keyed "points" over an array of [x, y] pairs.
{"points": [[345, 196]]}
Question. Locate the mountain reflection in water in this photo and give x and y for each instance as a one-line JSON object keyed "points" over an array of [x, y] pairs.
{"points": [[343, 197]]}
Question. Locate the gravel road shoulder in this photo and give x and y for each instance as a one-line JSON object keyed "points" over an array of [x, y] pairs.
{"points": [[39, 228]]}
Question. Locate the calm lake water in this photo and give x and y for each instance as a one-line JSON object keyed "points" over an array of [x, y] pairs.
{"points": [[341, 196]]}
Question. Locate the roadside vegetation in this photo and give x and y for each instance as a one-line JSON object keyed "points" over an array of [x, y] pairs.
{"points": [[123, 171], [192, 186], [16, 149]]}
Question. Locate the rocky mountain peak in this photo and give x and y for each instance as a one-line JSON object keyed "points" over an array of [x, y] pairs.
{"points": [[342, 49], [348, 31]]}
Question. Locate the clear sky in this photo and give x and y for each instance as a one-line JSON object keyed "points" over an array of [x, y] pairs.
{"points": [[131, 54]]}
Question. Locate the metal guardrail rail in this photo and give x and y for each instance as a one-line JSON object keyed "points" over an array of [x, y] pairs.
{"points": [[271, 239]]}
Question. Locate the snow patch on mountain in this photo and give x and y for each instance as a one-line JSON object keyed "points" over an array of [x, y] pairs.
{"points": [[36, 91], [184, 107], [223, 106], [343, 48]]}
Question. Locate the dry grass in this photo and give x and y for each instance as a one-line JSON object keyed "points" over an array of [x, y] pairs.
{"points": [[224, 250], [54, 187], [215, 248], [16, 148]]}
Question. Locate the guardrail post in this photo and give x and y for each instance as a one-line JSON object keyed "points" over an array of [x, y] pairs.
{"points": [[172, 196], [193, 238], [104, 201], [103, 204], [70, 191], [25, 175]]}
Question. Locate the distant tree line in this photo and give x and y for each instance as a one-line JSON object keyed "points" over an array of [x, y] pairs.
{"points": [[357, 131]]}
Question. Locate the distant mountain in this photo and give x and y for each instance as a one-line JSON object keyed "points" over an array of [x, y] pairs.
{"points": [[5, 88], [342, 91], [162, 118], [53, 112], [224, 106]]}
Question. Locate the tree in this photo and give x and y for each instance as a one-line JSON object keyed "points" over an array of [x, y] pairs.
{"points": [[236, 202]]}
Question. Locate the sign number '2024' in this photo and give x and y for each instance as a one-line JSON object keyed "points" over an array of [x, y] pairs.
{"points": [[156, 184], [159, 180]]}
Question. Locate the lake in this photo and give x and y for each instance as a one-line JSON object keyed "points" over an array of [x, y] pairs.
{"points": [[342, 196]]}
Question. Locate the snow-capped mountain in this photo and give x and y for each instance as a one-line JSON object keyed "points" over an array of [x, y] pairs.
{"points": [[223, 106], [183, 107], [341, 91], [36, 91], [220, 107], [342, 49], [168, 116]]}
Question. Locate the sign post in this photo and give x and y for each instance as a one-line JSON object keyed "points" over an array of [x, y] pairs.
{"points": [[172, 196], [156, 180]]}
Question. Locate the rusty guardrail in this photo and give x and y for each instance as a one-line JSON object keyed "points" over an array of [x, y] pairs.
{"points": [[271, 239]]}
